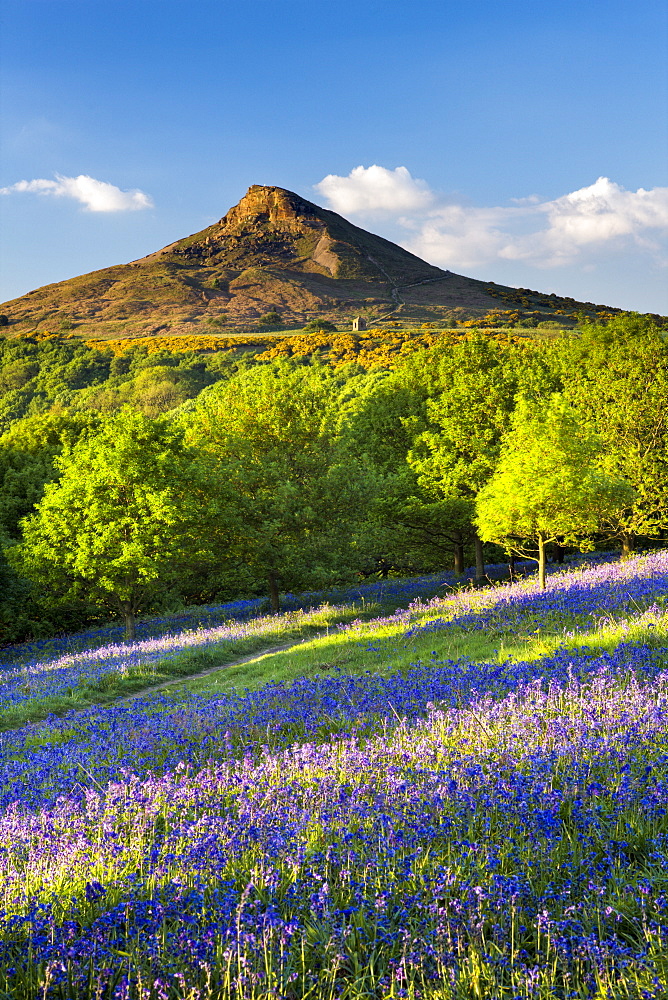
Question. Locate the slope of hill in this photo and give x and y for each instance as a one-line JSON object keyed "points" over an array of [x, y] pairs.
{"points": [[272, 251], [443, 799]]}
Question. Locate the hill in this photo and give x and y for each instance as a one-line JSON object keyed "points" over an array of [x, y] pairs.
{"points": [[274, 251]]}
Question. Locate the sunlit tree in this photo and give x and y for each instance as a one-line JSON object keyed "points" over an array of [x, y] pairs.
{"points": [[549, 485], [130, 514], [618, 381], [271, 434]]}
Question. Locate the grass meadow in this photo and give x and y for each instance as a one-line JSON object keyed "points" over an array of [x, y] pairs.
{"points": [[435, 792]]}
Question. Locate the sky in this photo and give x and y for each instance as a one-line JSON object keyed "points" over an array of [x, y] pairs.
{"points": [[523, 142]]}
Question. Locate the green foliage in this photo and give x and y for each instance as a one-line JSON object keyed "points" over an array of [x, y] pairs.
{"points": [[472, 394], [380, 419], [319, 326], [271, 432], [548, 485], [383, 411], [271, 318], [319, 471], [35, 377], [471, 409], [27, 454], [129, 515], [617, 379], [416, 532]]}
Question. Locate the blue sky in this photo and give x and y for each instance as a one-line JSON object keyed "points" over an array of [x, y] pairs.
{"points": [[520, 142]]}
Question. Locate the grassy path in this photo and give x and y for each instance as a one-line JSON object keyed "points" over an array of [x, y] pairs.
{"points": [[31, 692], [259, 655]]}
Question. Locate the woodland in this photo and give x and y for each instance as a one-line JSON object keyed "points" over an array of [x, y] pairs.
{"points": [[285, 711], [135, 481]]}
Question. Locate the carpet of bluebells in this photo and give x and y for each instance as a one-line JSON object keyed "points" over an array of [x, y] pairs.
{"points": [[204, 617], [456, 830], [59, 666], [48, 668]]}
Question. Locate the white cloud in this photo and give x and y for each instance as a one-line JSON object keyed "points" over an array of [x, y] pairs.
{"points": [[94, 195], [374, 190], [547, 233], [601, 213], [459, 236], [575, 228]]}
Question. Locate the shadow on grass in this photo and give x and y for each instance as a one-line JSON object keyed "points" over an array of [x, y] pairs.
{"points": [[142, 678], [386, 650]]}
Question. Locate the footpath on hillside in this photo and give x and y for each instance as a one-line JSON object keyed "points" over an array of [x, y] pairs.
{"points": [[41, 683], [258, 655]]}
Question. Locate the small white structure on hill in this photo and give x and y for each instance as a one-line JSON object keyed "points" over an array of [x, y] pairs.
{"points": [[359, 323]]}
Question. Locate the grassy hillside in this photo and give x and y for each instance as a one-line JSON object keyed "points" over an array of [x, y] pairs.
{"points": [[464, 798], [274, 251]]}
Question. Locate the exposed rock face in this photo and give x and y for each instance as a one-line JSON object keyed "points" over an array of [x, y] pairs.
{"points": [[275, 210], [272, 207], [274, 228], [324, 256]]}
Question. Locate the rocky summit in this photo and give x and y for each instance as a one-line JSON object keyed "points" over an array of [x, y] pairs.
{"points": [[274, 252]]}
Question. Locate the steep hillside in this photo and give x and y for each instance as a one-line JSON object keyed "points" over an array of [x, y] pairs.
{"points": [[272, 251]]}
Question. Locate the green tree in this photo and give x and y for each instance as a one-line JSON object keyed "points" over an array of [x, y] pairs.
{"points": [[319, 326], [548, 485], [618, 381], [271, 318], [27, 455], [407, 525], [467, 415], [271, 433], [131, 513], [36, 377]]}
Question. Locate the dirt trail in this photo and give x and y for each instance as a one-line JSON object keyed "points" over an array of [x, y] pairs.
{"points": [[222, 666]]}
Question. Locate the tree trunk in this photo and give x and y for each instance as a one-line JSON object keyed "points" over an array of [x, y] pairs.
{"points": [[130, 624], [541, 561], [628, 540], [511, 565], [273, 592], [459, 558], [558, 553], [479, 558]]}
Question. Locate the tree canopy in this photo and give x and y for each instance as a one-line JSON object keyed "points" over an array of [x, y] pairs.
{"points": [[548, 485], [150, 473], [271, 433], [618, 383], [129, 514]]}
